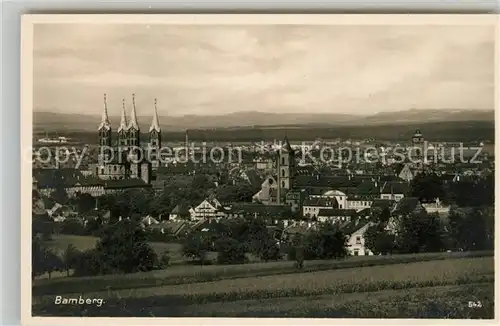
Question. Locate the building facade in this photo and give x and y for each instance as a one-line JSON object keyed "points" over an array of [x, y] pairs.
{"points": [[126, 157]]}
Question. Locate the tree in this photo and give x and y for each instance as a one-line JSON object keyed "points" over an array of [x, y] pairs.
{"points": [[378, 240], [72, 226], [52, 262], [258, 239], [196, 246], [59, 195], [230, 251], [89, 263], [93, 225], [85, 203], [334, 242], [419, 232], [472, 229], [427, 187], [70, 258], [37, 257], [165, 259], [123, 248], [235, 193]]}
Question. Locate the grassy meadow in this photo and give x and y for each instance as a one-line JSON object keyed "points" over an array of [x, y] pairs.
{"points": [[436, 285], [61, 241]]}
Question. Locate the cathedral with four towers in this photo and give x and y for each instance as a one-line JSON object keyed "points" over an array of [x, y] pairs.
{"points": [[124, 155]]}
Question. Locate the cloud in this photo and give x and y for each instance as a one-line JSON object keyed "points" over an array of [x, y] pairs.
{"points": [[222, 69]]}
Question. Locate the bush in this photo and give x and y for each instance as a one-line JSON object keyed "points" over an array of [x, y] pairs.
{"points": [[123, 248], [165, 259], [230, 251]]}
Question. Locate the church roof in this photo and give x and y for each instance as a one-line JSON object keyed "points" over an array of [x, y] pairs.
{"points": [[155, 124], [123, 120], [104, 118], [133, 116]]}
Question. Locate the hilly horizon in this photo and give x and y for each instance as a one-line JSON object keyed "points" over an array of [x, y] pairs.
{"points": [[82, 122]]}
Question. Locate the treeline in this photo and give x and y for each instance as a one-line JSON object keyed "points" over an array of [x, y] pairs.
{"points": [[477, 192], [122, 248], [460, 131], [464, 230]]}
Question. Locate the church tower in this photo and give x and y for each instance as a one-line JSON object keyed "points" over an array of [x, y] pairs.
{"points": [[122, 129], [418, 156], [155, 140], [133, 127], [286, 169], [104, 132]]}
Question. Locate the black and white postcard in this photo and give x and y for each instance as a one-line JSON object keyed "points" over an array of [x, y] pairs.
{"points": [[263, 166]]}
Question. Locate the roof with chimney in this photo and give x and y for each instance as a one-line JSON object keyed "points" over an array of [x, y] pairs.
{"points": [[337, 212], [321, 202], [406, 205], [395, 187], [65, 177]]}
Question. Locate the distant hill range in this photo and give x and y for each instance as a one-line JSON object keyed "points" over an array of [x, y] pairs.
{"points": [[47, 121]]}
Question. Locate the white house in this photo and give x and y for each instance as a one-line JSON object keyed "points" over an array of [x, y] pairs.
{"points": [[339, 196], [356, 242], [313, 205], [394, 190], [437, 207], [207, 209], [336, 215]]}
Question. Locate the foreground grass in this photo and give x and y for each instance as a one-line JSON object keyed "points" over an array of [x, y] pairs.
{"points": [[427, 302], [194, 274], [172, 300]]}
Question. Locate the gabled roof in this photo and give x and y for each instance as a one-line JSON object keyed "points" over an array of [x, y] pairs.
{"points": [[395, 187], [337, 212], [67, 178], [365, 189], [181, 209], [308, 170], [382, 203], [333, 182], [405, 205], [321, 202], [260, 209], [126, 183], [254, 178], [355, 224]]}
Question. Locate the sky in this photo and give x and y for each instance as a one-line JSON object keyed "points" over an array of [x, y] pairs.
{"points": [[206, 70]]}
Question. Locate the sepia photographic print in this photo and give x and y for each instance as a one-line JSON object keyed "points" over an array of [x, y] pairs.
{"points": [[300, 166]]}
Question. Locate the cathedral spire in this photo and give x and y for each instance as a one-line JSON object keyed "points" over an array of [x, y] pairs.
{"points": [[155, 125], [123, 121], [105, 119], [133, 116]]}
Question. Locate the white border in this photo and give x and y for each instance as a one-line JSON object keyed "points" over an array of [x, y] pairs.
{"points": [[189, 19]]}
